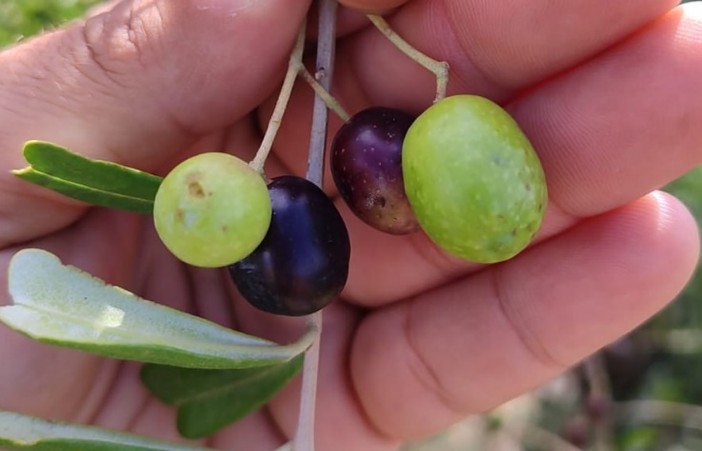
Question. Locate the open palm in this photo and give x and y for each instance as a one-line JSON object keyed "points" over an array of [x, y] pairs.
{"points": [[607, 91]]}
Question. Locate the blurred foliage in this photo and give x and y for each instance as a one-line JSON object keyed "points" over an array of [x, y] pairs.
{"points": [[23, 18], [687, 311], [661, 361]]}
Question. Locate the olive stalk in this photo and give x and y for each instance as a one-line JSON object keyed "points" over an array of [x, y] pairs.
{"points": [[331, 102], [439, 68], [294, 65], [304, 435]]}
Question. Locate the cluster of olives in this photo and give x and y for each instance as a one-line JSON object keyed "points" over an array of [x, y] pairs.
{"points": [[285, 244], [462, 171]]}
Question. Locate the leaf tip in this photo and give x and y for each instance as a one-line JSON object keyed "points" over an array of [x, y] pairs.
{"points": [[26, 262], [33, 148]]}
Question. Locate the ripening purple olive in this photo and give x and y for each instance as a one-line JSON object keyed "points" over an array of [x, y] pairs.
{"points": [[366, 163]]}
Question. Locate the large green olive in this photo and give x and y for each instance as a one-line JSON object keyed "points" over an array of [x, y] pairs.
{"points": [[212, 210], [473, 179]]}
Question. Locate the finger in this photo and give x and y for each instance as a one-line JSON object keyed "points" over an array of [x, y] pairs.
{"points": [[125, 253], [493, 48], [472, 345], [135, 85], [66, 400], [608, 132], [33, 369], [625, 123]]}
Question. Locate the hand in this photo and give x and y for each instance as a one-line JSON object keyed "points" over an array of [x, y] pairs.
{"points": [[607, 92]]}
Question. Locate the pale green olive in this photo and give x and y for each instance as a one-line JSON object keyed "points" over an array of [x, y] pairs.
{"points": [[473, 179], [212, 210]]}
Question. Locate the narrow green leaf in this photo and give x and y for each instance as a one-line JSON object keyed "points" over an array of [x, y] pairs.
{"points": [[86, 193], [62, 305], [103, 175], [23, 432], [95, 181], [208, 400]]}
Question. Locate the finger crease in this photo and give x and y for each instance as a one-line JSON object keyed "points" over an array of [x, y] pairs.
{"points": [[422, 369], [111, 369], [529, 340]]}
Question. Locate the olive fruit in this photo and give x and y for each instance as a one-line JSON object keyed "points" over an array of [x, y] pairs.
{"points": [[302, 264], [473, 179], [212, 209], [366, 164]]}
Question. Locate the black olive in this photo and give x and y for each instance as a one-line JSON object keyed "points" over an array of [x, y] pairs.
{"points": [[302, 263]]}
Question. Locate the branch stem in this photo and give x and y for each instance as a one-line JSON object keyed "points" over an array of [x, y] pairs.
{"points": [[304, 435], [439, 68], [323, 74]]}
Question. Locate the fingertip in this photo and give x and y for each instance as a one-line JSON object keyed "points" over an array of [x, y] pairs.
{"points": [[679, 235], [372, 6]]}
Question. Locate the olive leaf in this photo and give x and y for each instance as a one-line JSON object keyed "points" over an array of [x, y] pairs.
{"points": [[62, 305], [98, 182], [208, 400], [23, 432]]}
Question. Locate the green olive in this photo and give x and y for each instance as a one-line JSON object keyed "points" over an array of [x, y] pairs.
{"points": [[212, 210], [473, 179]]}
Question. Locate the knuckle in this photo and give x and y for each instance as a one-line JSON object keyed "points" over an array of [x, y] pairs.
{"points": [[123, 38]]}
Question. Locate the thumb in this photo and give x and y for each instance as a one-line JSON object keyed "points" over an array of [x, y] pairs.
{"points": [[134, 82]]}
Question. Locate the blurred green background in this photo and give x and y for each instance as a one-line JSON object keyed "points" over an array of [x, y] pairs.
{"points": [[641, 393], [22, 18]]}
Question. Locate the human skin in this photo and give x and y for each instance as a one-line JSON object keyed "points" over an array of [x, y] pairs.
{"points": [[608, 92], [372, 6]]}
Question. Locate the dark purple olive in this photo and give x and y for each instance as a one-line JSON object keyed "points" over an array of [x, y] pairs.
{"points": [[302, 263], [366, 163]]}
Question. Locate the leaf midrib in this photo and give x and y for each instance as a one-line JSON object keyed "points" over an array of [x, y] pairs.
{"points": [[28, 170], [231, 386]]}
